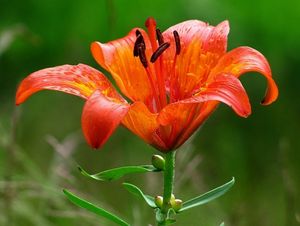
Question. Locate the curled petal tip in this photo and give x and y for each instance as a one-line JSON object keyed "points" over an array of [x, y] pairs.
{"points": [[246, 59], [272, 94], [246, 114], [18, 101]]}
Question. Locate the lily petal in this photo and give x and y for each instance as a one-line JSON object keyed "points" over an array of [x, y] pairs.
{"points": [[141, 122], [80, 80], [213, 38], [128, 72], [201, 47], [225, 88], [187, 115], [229, 90], [100, 117], [245, 59]]}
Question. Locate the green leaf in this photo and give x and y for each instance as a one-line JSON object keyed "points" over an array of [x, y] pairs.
{"points": [[207, 197], [116, 173], [222, 224], [136, 191], [94, 209]]}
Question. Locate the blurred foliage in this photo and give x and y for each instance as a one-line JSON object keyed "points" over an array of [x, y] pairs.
{"points": [[262, 152]]}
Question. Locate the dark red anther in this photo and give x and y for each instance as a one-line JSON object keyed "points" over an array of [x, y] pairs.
{"points": [[137, 33], [135, 50], [159, 37], [177, 42], [142, 56], [159, 51], [139, 42]]}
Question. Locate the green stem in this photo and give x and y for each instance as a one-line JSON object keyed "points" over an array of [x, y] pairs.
{"points": [[169, 174]]}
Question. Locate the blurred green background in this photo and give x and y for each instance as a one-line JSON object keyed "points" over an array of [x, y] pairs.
{"points": [[41, 143]]}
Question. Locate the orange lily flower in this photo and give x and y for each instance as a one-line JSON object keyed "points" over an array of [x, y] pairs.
{"points": [[172, 80]]}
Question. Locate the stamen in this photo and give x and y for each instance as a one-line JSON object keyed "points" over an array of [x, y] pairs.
{"points": [[135, 50], [139, 42], [159, 51], [142, 55], [137, 33], [177, 42], [159, 37]]}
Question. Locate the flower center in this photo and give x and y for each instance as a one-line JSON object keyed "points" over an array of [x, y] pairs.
{"points": [[157, 74]]}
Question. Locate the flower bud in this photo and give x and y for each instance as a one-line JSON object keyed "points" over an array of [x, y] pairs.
{"points": [[158, 162], [172, 199], [177, 204], [158, 201]]}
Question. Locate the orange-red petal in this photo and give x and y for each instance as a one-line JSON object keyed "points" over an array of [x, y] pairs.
{"points": [[213, 38], [229, 90], [187, 115], [245, 59], [225, 88], [128, 72], [142, 122], [201, 47], [100, 117], [80, 80]]}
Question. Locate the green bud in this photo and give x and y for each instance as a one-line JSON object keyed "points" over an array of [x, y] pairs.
{"points": [[177, 204], [172, 199], [158, 162], [158, 201]]}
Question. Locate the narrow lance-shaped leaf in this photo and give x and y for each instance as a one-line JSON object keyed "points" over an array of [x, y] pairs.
{"points": [[207, 197], [136, 191], [116, 173], [94, 209]]}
